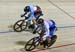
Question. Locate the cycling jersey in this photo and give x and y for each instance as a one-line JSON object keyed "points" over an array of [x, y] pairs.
{"points": [[35, 12], [49, 28]]}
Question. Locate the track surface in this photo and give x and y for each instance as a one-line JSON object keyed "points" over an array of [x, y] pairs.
{"points": [[62, 11]]}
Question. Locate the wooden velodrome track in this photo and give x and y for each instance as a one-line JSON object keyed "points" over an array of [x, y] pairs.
{"points": [[62, 11]]}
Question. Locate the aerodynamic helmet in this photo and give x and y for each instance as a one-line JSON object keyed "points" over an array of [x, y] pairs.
{"points": [[27, 9], [40, 21]]}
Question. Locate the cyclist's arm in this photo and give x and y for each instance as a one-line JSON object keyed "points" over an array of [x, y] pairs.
{"points": [[36, 29], [24, 14], [47, 31]]}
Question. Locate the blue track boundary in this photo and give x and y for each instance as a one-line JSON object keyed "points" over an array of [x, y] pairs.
{"points": [[58, 28], [67, 27]]}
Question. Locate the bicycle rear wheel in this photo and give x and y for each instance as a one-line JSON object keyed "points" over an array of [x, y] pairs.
{"points": [[32, 44], [19, 26], [53, 40]]}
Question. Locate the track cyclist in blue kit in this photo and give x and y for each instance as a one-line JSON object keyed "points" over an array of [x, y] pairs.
{"points": [[34, 13]]}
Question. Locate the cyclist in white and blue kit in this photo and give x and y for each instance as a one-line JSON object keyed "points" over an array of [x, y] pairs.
{"points": [[48, 27]]}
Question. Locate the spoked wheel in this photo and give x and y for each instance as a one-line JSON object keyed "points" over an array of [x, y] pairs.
{"points": [[32, 44], [19, 26]]}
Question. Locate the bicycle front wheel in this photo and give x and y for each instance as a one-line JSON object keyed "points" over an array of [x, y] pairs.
{"points": [[32, 44]]}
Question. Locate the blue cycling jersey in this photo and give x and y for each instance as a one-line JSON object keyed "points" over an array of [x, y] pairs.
{"points": [[31, 13]]}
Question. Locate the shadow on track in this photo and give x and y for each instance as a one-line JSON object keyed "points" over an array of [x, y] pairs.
{"points": [[21, 43]]}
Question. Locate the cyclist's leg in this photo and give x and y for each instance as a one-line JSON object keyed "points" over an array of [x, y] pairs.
{"points": [[52, 31], [34, 23]]}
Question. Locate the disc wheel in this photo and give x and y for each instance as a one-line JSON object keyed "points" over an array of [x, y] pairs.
{"points": [[19, 26], [53, 40]]}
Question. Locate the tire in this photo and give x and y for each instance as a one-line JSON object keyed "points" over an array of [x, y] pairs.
{"points": [[32, 45], [53, 40], [19, 26]]}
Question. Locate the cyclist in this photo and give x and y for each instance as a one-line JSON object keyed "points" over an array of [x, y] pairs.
{"points": [[48, 28], [34, 13]]}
